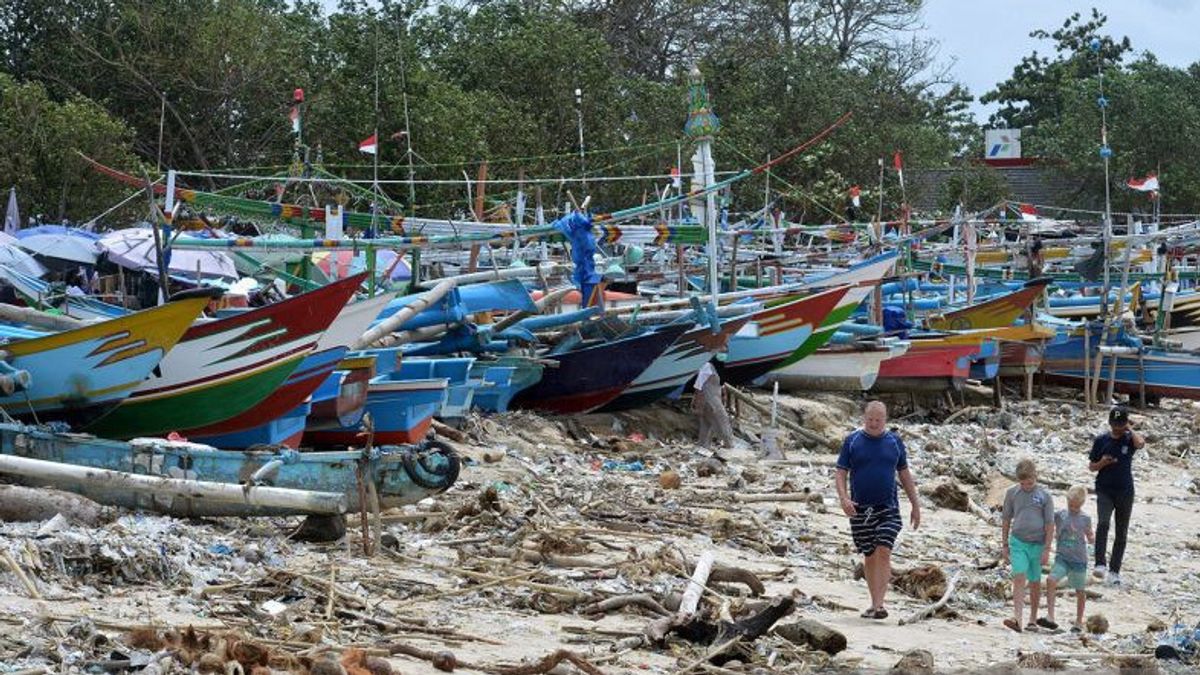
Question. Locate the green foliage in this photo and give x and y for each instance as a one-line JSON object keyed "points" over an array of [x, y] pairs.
{"points": [[974, 186], [40, 142]]}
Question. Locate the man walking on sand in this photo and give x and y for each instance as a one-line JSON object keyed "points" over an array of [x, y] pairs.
{"points": [[872, 458], [1112, 460]]}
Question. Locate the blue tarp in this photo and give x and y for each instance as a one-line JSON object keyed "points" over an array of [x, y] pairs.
{"points": [[577, 228]]}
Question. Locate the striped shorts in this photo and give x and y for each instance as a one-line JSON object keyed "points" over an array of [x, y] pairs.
{"points": [[875, 526]]}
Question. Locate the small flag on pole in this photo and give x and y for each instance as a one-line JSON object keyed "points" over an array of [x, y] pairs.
{"points": [[1028, 212], [294, 116], [12, 217], [1147, 184], [856, 196], [898, 164], [369, 146], [676, 179]]}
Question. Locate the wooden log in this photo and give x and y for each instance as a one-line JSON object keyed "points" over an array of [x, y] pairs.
{"points": [[448, 431], [300, 501], [737, 575], [622, 601], [807, 632], [32, 317], [25, 504], [657, 631], [929, 611]]}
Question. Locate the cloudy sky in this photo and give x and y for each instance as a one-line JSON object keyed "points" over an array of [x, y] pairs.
{"points": [[984, 39]]}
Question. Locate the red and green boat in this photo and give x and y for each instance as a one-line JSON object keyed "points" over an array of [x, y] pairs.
{"points": [[222, 368]]}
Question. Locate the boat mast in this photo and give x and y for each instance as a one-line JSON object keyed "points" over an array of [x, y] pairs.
{"points": [[702, 124], [1106, 154]]}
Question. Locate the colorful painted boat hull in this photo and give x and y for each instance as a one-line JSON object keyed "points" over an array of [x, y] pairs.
{"points": [[224, 367], [1163, 373], [993, 313], [932, 366], [774, 334], [291, 395], [401, 413], [460, 390], [501, 380], [862, 278], [401, 475], [341, 400], [82, 374], [852, 368], [676, 366], [589, 377]]}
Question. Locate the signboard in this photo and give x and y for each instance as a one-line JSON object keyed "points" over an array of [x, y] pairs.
{"points": [[1001, 143]]}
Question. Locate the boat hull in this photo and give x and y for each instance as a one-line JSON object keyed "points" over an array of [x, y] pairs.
{"points": [[588, 378], [1163, 373], [839, 368], [401, 475], [401, 413], [926, 367]]}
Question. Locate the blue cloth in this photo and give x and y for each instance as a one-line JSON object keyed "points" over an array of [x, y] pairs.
{"points": [[577, 228], [895, 321], [873, 462], [1115, 479]]}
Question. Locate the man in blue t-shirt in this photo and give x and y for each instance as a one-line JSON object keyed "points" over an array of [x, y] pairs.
{"points": [[1112, 460], [871, 459]]}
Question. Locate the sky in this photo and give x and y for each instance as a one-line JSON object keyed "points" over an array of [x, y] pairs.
{"points": [[982, 40]]}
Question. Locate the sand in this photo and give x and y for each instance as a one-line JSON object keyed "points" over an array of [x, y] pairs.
{"points": [[584, 495]]}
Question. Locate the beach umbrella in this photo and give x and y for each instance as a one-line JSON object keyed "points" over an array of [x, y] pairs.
{"points": [[134, 249], [61, 243], [19, 261]]}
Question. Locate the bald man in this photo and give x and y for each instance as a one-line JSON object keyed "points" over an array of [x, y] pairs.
{"points": [[871, 460]]}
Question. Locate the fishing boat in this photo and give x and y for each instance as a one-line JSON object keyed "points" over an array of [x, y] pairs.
{"points": [[676, 366], [399, 475], [501, 380], [279, 419], [223, 367], [460, 389], [80, 375], [937, 361], [592, 373], [850, 367], [1157, 372], [774, 334], [401, 409], [341, 399], [992, 313]]}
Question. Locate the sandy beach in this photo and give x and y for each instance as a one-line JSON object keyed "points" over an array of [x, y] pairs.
{"points": [[552, 516]]}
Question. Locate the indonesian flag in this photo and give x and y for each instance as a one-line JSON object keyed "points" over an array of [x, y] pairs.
{"points": [[676, 179], [856, 196], [898, 164], [1147, 184], [1028, 212], [370, 145], [294, 116]]}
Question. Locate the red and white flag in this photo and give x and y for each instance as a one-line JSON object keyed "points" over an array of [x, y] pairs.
{"points": [[1028, 212], [370, 145], [294, 116], [856, 196], [1147, 184], [676, 179], [898, 164]]}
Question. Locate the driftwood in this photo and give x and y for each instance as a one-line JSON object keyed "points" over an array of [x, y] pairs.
{"points": [[548, 663], [301, 501], [807, 434], [448, 431], [815, 634], [657, 631], [737, 575], [929, 611], [25, 504], [621, 601]]}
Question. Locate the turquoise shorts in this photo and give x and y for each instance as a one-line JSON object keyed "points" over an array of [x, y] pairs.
{"points": [[1026, 558], [1075, 574]]}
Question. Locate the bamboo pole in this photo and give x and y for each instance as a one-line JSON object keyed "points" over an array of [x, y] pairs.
{"points": [[418, 305], [71, 476]]}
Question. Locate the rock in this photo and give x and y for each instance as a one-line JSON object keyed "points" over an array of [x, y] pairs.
{"points": [[915, 662], [669, 480], [1097, 624], [1156, 626], [445, 662], [948, 495], [812, 634], [321, 529], [710, 467]]}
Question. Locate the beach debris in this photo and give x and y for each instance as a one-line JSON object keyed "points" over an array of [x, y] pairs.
{"points": [[936, 607], [1040, 661], [669, 480], [948, 495], [914, 662], [814, 634], [28, 504], [1096, 624]]}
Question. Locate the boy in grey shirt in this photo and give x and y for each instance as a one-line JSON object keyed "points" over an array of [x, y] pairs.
{"points": [[1074, 532], [1027, 529]]}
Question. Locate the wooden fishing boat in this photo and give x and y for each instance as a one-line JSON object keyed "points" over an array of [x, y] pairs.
{"points": [[400, 475], [501, 380], [1159, 372], [938, 361], [594, 372], [223, 367], [676, 366], [993, 313], [341, 400], [82, 374], [850, 367], [774, 334], [862, 278], [401, 409], [460, 389], [277, 419]]}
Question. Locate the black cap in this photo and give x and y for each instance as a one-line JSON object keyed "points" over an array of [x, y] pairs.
{"points": [[1118, 416]]}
